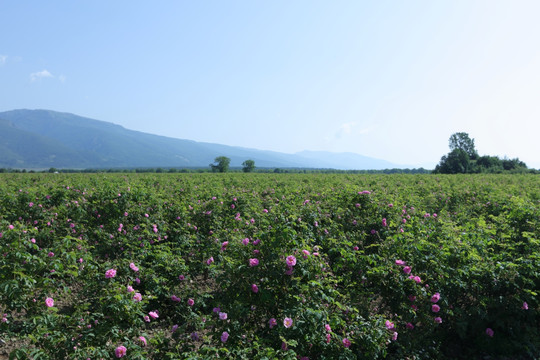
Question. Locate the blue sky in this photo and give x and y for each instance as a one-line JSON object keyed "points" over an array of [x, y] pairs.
{"points": [[386, 79]]}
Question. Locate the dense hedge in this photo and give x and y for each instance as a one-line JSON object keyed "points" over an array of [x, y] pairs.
{"points": [[264, 266]]}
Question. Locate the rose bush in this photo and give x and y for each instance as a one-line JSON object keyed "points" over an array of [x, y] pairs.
{"points": [[269, 266]]}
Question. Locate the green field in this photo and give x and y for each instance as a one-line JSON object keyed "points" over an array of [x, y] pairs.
{"points": [[269, 266]]}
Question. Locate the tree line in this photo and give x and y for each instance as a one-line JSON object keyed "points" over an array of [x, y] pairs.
{"points": [[464, 159]]}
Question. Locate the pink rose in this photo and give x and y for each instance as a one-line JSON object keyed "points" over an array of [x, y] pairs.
{"points": [[49, 302], [224, 336], [142, 339], [110, 274], [120, 351], [153, 314], [253, 262], [133, 267], [287, 322], [291, 260]]}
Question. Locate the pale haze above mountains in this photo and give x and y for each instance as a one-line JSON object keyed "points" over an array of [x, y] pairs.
{"points": [[42, 139]]}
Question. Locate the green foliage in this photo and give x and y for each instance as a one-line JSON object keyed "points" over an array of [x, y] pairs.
{"points": [[462, 141], [372, 256], [457, 162], [221, 164], [248, 166], [463, 159]]}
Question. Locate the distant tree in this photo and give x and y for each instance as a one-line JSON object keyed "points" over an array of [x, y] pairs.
{"points": [[221, 164], [248, 166], [513, 164], [461, 140], [491, 164], [456, 162]]}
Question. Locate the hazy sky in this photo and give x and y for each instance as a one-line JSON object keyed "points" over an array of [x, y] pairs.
{"points": [[386, 79]]}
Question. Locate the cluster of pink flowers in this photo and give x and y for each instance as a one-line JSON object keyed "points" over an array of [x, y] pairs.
{"points": [[434, 298], [133, 267], [110, 273], [436, 308], [224, 245], [328, 335], [391, 327], [407, 270]]}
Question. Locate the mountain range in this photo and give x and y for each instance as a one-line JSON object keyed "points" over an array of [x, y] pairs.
{"points": [[41, 139]]}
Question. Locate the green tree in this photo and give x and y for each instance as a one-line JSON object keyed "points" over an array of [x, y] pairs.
{"points": [[221, 164], [513, 164], [456, 162], [248, 166], [491, 164], [462, 141]]}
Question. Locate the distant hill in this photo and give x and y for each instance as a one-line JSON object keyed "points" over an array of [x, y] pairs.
{"points": [[41, 139]]}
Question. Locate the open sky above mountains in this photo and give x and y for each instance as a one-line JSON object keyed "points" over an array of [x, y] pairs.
{"points": [[387, 79]]}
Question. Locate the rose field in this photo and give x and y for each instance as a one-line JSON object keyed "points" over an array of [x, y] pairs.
{"points": [[269, 266]]}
